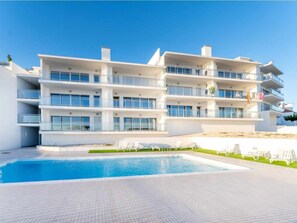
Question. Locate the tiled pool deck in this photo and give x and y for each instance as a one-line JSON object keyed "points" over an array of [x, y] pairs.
{"points": [[264, 193]]}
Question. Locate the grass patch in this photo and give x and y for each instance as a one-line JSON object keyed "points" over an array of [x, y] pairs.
{"points": [[133, 151], [260, 160], [206, 151]]}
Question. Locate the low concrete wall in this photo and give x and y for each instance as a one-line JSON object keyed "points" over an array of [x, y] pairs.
{"points": [[287, 129], [75, 148]]}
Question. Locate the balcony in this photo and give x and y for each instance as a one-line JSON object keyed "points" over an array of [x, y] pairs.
{"points": [[273, 108], [211, 114], [220, 94], [212, 73], [272, 81], [100, 127], [29, 119], [137, 81], [28, 94], [273, 96]]}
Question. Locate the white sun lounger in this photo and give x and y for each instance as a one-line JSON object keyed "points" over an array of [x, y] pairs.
{"points": [[193, 145], [231, 148], [178, 145], [287, 155], [254, 152]]}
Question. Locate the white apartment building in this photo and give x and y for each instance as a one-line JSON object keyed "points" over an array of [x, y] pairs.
{"points": [[271, 106], [84, 101]]}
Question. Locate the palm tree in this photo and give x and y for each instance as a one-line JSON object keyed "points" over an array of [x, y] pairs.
{"points": [[9, 58]]}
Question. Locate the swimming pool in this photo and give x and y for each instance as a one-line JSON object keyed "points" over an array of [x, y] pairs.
{"points": [[118, 166]]}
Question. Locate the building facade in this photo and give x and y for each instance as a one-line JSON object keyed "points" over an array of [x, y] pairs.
{"points": [[84, 101]]}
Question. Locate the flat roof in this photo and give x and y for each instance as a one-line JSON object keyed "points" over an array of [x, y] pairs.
{"points": [[218, 59], [57, 59], [270, 68]]}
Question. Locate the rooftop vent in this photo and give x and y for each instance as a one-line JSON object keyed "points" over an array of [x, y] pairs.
{"points": [[206, 51], [243, 59], [105, 54]]}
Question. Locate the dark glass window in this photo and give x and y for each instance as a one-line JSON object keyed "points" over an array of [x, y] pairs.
{"points": [[65, 76], [55, 75], [84, 78], [74, 77]]}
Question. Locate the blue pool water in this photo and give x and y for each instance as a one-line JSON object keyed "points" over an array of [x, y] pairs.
{"points": [[45, 170]]}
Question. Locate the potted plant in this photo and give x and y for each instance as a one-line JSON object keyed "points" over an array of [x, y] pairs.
{"points": [[9, 59], [212, 90]]}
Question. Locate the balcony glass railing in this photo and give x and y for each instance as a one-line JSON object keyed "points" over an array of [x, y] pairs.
{"points": [[213, 73], [213, 114], [29, 118], [268, 107], [136, 81], [184, 91], [271, 76], [68, 102], [28, 94], [85, 127], [274, 92]]}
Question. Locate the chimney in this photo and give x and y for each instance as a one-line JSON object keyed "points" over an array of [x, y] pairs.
{"points": [[105, 54], [206, 51]]}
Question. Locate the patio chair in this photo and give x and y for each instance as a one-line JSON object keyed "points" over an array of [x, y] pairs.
{"points": [[123, 146], [231, 148], [193, 145], [155, 148], [287, 155], [254, 152], [178, 145], [137, 146]]}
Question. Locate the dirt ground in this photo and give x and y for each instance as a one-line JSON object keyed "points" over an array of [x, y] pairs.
{"points": [[246, 135]]}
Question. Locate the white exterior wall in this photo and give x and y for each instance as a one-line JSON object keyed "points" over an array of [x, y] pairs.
{"points": [[9, 130], [190, 126]]}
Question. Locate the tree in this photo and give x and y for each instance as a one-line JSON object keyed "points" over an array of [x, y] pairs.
{"points": [[9, 58], [291, 117]]}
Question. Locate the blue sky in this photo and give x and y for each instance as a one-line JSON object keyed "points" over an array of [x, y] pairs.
{"points": [[263, 31]]}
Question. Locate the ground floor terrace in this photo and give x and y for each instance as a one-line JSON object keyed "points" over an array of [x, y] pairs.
{"points": [[264, 193]]}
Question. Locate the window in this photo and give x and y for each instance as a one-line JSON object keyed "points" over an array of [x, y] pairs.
{"points": [[127, 102], [128, 124], [85, 102], [55, 75], [97, 123], [65, 76], [135, 102], [74, 77], [96, 101], [116, 123], [65, 100], [66, 123], [55, 99], [179, 110], [228, 112], [85, 123], [56, 123], [96, 78], [75, 100], [116, 102], [198, 111], [84, 78], [137, 124]]}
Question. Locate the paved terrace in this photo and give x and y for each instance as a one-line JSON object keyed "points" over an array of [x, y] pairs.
{"points": [[263, 194]]}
